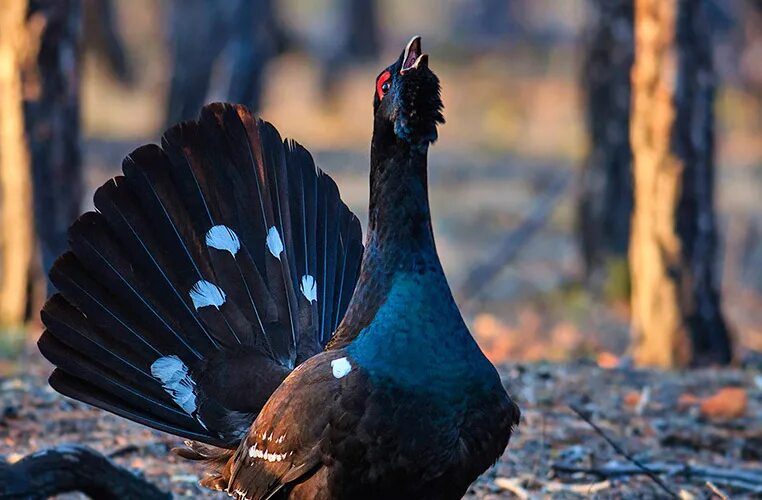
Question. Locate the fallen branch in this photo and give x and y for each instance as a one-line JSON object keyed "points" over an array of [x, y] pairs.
{"points": [[717, 491], [68, 468], [484, 272], [644, 469], [514, 486], [580, 489], [746, 479]]}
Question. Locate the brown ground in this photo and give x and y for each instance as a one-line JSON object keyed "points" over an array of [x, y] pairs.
{"points": [[659, 418]]}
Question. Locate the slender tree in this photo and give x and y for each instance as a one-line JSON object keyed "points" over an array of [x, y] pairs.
{"points": [[605, 203], [677, 318], [15, 196], [51, 113]]}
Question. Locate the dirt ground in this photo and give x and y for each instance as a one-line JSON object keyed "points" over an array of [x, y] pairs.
{"points": [[699, 426]]}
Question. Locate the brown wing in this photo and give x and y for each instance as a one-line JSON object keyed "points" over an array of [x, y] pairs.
{"points": [[285, 443]]}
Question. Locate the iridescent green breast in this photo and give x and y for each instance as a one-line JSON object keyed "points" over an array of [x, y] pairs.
{"points": [[418, 340]]}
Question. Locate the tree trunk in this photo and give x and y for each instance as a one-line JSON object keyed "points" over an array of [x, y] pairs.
{"points": [[605, 203], [197, 35], [51, 111], [15, 197], [677, 319], [362, 24], [103, 36]]}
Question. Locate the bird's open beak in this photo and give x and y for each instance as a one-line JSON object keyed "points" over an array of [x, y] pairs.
{"points": [[413, 57]]}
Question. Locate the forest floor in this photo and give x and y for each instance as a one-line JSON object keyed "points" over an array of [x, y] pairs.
{"points": [[695, 429]]}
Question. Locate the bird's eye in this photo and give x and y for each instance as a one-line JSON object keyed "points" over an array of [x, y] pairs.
{"points": [[383, 84]]}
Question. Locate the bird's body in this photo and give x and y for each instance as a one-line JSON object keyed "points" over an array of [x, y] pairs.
{"points": [[399, 403]]}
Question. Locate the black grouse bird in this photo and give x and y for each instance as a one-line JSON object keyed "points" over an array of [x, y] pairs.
{"points": [[221, 293]]}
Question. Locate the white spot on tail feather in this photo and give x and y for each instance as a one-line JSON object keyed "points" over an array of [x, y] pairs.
{"points": [[274, 243], [205, 293], [309, 288], [223, 238], [176, 380], [340, 367]]}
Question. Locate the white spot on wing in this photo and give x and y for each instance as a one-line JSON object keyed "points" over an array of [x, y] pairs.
{"points": [[274, 243], [340, 367], [309, 288], [205, 293], [223, 238], [255, 453], [175, 379]]}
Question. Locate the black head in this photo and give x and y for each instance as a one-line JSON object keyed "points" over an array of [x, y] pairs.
{"points": [[407, 96]]}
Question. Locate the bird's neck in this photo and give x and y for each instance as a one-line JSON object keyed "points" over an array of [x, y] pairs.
{"points": [[399, 220], [400, 239], [402, 313]]}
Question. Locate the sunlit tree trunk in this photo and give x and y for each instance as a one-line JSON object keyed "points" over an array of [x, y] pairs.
{"points": [[605, 203], [15, 198], [677, 320]]}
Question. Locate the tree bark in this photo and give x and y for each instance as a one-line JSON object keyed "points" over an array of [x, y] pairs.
{"points": [[16, 237], [51, 111], [605, 202], [676, 314]]}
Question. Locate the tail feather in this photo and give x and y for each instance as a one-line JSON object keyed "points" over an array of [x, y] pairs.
{"points": [[102, 397], [95, 247], [253, 153], [75, 331], [216, 264], [164, 260], [328, 229], [69, 360], [350, 257], [99, 306]]}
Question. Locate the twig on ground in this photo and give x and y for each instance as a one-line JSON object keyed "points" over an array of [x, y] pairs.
{"points": [[513, 485], [717, 491], [622, 451], [741, 479], [582, 489], [618, 469], [124, 450]]}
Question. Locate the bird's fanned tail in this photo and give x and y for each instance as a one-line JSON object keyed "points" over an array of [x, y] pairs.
{"points": [[212, 267]]}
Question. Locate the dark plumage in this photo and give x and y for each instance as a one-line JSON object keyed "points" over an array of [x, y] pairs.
{"points": [[207, 298]]}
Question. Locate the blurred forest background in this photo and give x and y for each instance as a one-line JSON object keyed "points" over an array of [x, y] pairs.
{"points": [[596, 195], [531, 178]]}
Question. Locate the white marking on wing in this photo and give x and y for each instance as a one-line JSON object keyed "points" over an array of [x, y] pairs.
{"points": [[223, 238], [257, 453], [205, 293], [340, 367]]}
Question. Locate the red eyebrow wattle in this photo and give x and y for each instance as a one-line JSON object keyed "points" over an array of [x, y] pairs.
{"points": [[380, 83]]}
